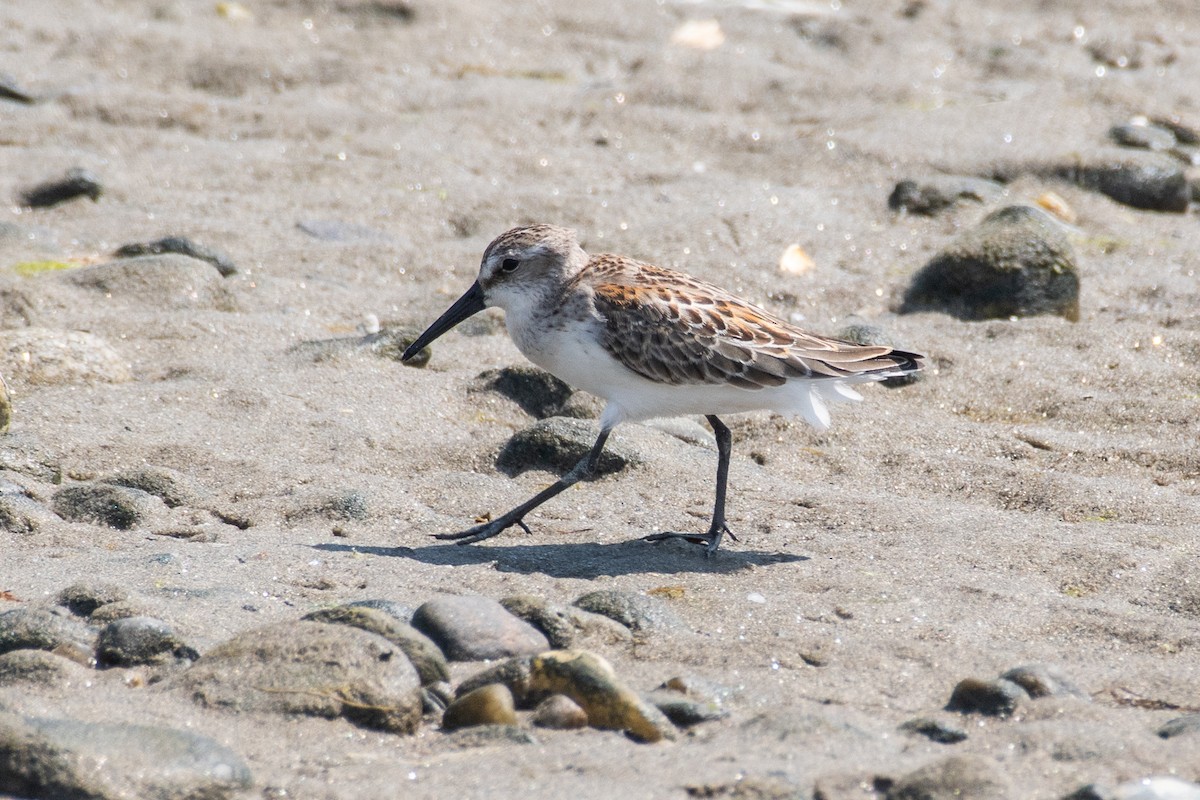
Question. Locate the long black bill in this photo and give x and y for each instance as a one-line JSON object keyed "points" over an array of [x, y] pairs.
{"points": [[469, 304]]}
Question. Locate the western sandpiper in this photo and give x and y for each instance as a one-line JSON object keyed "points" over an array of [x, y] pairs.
{"points": [[653, 342]]}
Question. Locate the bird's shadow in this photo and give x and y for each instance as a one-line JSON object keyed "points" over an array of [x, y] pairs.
{"points": [[580, 560]]}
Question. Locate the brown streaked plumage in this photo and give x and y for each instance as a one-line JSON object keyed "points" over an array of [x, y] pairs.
{"points": [[654, 342]]}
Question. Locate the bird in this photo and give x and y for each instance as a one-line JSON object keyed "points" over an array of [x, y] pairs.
{"points": [[653, 342]]}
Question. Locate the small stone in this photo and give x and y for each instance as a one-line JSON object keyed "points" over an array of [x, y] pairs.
{"points": [[638, 612], [312, 669], [935, 730], [536, 391], [1152, 181], [795, 261], [39, 667], [559, 712], [487, 705], [684, 711], [1187, 725], [993, 698], [184, 247], [122, 609], [589, 680], [78, 183], [59, 758], [56, 358], [397, 611], [141, 640], [953, 778], [34, 628], [115, 506], [340, 507], [85, 597], [174, 488], [1143, 135], [1014, 263], [469, 628], [515, 673], [421, 651], [1044, 680], [935, 193], [557, 444], [554, 621]]}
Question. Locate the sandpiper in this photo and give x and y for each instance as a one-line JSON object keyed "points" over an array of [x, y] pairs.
{"points": [[653, 342]]}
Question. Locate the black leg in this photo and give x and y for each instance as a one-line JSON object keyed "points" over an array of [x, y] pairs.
{"points": [[585, 467], [718, 528]]}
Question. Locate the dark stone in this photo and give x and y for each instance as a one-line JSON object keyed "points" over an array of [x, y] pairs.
{"points": [[1017, 262], [11, 90], [489, 736], [682, 710], [141, 640], [39, 667], [115, 506], [488, 705], [554, 621], [993, 698], [56, 759], [1145, 136], [1044, 680], [421, 651], [476, 628], [85, 597], [1188, 725], [557, 444], [1153, 181], [936, 193], [515, 673], [34, 628], [77, 183], [174, 488], [1093, 791], [536, 391], [184, 247], [313, 669], [935, 730], [638, 612], [953, 778]]}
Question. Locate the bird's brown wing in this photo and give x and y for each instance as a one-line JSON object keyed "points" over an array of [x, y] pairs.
{"points": [[672, 328]]}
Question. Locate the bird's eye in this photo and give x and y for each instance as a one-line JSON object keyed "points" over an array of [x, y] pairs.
{"points": [[510, 264]]}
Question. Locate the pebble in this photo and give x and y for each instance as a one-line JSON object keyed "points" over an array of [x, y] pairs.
{"points": [[86, 596], [472, 628], [184, 247], [39, 667], [48, 759], [166, 281], [559, 712], [637, 612], [131, 641], [1150, 181], [421, 651], [312, 669], [993, 698], [11, 90], [393, 609], [868, 334], [1142, 135], [55, 358], [487, 705], [1187, 725], [953, 778], [557, 444], [1044, 680], [589, 680], [115, 506], [345, 506], [389, 343], [111, 612], [935, 730], [436, 697], [172, 487], [1016, 262], [37, 628], [682, 710], [515, 673], [932, 194], [78, 183], [536, 391], [567, 626]]}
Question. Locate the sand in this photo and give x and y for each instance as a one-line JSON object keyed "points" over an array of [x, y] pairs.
{"points": [[1033, 500]]}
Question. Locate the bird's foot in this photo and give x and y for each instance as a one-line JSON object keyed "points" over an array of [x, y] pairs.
{"points": [[711, 540], [485, 530]]}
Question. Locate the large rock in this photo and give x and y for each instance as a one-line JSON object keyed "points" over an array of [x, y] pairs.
{"points": [[424, 655], [476, 628], [314, 669], [1017, 262], [57, 759]]}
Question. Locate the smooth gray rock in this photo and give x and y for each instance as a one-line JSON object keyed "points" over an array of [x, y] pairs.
{"points": [[470, 628], [313, 669], [425, 656], [1187, 725], [40, 668], [168, 281], [1016, 262], [56, 759], [141, 640], [84, 597], [1044, 680], [935, 730], [184, 247], [995, 698], [934, 193], [638, 612], [1151, 181], [36, 628]]}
